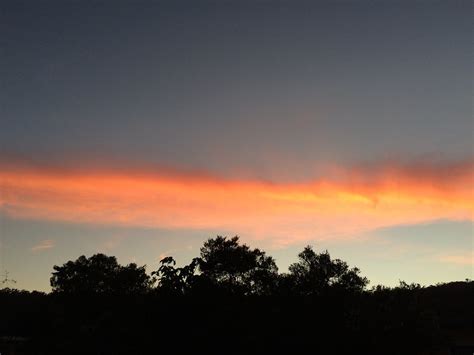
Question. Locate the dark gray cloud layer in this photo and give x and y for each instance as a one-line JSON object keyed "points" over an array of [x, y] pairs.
{"points": [[272, 88]]}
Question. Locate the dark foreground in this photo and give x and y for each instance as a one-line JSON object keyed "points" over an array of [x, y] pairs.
{"points": [[402, 320]]}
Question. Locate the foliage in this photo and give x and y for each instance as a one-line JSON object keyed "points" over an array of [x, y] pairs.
{"points": [[315, 274], [224, 264], [173, 280], [237, 268], [99, 274]]}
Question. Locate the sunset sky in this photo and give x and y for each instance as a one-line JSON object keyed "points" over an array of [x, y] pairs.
{"points": [[141, 128]]}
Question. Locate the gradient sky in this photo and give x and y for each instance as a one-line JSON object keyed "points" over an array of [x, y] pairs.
{"points": [[142, 128]]}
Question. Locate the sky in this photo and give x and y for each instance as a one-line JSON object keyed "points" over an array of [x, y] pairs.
{"points": [[142, 128]]}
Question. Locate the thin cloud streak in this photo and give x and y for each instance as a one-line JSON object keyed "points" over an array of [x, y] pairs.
{"points": [[43, 245], [466, 259], [341, 206]]}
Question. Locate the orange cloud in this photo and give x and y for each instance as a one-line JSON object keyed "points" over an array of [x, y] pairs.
{"points": [[350, 201]]}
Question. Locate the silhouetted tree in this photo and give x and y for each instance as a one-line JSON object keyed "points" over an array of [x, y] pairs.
{"points": [[173, 280], [236, 267], [99, 274], [316, 273], [406, 286]]}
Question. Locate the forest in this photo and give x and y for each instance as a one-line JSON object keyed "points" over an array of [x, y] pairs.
{"points": [[233, 300]]}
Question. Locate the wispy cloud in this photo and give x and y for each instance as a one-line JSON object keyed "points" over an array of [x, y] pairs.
{"points": [[339, 206], [43, 245], [461, 259]]}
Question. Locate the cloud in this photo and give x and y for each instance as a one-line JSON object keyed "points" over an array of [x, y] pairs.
{"points": [[462, 259], [341, 205], [43, 245]]}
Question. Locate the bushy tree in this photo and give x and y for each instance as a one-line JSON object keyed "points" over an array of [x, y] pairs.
{"points": [[99, 274], [315, 274], [236, 267]]}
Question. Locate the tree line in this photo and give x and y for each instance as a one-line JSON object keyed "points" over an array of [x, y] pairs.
{"points": [[231, 299], [224, 265]]}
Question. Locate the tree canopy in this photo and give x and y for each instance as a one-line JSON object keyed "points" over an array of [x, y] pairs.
{"points": [[99, 274], [237, 267], [317, 273], [175, 280], [224, 265]]}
